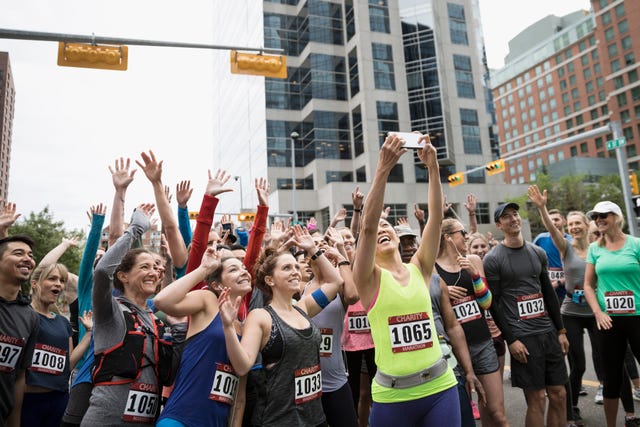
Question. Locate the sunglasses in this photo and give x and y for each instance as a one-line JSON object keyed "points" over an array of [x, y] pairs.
{"points": [[464, 232], [599, 215], [596, 233]]}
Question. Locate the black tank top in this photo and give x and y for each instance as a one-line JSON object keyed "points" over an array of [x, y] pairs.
{"points": [[467, 311]]}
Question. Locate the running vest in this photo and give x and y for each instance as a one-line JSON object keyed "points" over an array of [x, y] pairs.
{"points": [[126, 359], [405, 337]]}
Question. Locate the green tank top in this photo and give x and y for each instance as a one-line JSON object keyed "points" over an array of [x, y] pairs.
{"points": [[405, 337]]}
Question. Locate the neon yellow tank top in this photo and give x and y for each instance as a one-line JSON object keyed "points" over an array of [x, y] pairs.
{"points": [[405, 337]]}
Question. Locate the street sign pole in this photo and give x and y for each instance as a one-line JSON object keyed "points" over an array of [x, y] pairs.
{"points": [[623, 169]]}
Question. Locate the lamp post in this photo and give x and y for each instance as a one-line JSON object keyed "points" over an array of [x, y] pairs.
{"points": [[294, 136], [238, 178]]}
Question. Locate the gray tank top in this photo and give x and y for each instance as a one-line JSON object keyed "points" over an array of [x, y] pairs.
{"points": [[574, 303], [330, 321], [294, 383]]}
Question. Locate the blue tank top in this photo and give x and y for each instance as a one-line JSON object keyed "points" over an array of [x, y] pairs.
{"points": [[205, 384]]}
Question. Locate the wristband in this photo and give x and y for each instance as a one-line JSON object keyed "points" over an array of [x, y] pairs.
{"points": [[341, 263], [472, 214], [357, 210], [562, 331], [316, 255], [320, 298]]}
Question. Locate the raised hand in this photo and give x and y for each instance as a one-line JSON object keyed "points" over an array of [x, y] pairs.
{"points": [[167, 193], [211, 259], [312, 224], [278, 232], [428, 154], [151, 167], [216, 183], [334, 237], [8, 216], [445, 206], [471, 203], [402, 221], [99, 209], [357, 198], [70, 242], [341, 215], [538, 198], [148, 209], [418, 213], [390, 152], [385, 213], [183, 193], [87, 320], [303, 239], [121, 176], [262, 190], [228, 309]]}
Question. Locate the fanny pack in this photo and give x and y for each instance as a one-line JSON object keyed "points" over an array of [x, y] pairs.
{"points": [[412, 380]]}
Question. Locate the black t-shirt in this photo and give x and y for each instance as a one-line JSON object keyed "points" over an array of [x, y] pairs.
{"points": [[19, 326]]}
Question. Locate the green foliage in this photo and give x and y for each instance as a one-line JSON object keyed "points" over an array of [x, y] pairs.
{"points": [[48, 233], [571, 193]]}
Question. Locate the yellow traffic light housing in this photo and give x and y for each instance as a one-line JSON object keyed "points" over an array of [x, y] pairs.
{"points": [[193, 215], [93, 56], [246, 217], [495, 167], [259, 65], [455, 179], [633, 180]]}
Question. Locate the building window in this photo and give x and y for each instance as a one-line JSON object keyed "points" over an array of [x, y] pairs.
{"points": [[387, 118], [361, 174], [464, 76], [383, 73], [457, 24], [396, 174], [396, 211], [349, 18], [476, 177], [379, 16], [338, 176], [470, 131], [354, 83], [358, 140], [482, 213]]}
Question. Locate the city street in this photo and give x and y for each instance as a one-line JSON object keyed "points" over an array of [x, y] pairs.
{"points": [[592, 414]]}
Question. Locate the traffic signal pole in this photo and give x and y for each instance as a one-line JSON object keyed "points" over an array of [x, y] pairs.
{"points": [[93, 39]]}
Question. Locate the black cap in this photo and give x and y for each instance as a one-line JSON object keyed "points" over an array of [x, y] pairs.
{"points": [[501, 207]]}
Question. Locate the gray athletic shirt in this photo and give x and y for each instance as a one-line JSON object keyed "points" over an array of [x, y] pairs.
{"points": [[517, 271], [574, 267]]}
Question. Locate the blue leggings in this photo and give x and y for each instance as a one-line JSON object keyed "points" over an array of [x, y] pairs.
{"points": [[440, 409]]}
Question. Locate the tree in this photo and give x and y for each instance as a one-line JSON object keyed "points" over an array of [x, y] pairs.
{"points": [[47, 234]]}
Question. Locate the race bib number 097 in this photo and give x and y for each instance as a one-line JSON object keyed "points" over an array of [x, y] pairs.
{"points": [[620, 302], [410, 332], [10, 349]]}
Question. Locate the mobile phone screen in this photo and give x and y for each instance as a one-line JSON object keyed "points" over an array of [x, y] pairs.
{"points": [[411, 139]]}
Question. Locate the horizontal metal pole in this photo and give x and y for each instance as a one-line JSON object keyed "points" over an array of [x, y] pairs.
{"points": [[93, 39]]}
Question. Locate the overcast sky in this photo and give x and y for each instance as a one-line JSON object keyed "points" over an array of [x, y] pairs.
{"points": [[70, 124]]}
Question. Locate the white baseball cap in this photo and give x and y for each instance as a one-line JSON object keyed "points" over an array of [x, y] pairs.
{"points": [[605, 207]]}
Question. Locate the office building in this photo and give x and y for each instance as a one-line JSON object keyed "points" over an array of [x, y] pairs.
{"points": [[357, 70], [567, 75]]}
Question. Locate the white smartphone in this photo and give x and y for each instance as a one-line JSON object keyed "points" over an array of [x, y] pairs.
{"points": [[411, 140]]}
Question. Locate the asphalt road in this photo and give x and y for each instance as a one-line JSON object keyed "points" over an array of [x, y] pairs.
{"points": [[592, 414]]}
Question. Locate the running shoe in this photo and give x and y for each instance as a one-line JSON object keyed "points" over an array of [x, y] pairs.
{"points": [[598, 398], [631, 422], [577, 419], [636, 393], [583, 391]]}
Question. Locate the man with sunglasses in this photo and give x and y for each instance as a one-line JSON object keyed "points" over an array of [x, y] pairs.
{"points": [[526, 309]]}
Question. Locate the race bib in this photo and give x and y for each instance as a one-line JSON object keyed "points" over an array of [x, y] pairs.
{"points": [[530, 306], [410, 332], [308, 384], [10, 349], [225, 383], [326, 345], [48, 359], [466, 309], [556, 273], [487, 315], [142, 403], [620, 302], [358, 323]]}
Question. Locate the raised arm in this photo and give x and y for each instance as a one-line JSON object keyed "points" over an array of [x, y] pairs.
{"points": [[8, 216], [540, 200], [425, 256], [153, 170], [176, 300], [357, 198], [419, 214], [365, 271], [338, 217], [121, 178], [183, 194], [85, 273], [470, 206]]}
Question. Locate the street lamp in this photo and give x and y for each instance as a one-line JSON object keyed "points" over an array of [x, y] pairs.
{"points": [[238, 178], [294, 136]]}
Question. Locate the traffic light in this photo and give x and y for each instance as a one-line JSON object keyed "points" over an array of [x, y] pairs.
{"points": [[455, 179], [259, 65], [193, 215], [633, 180], [246, 216], [93, 56], [495, 167]]}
